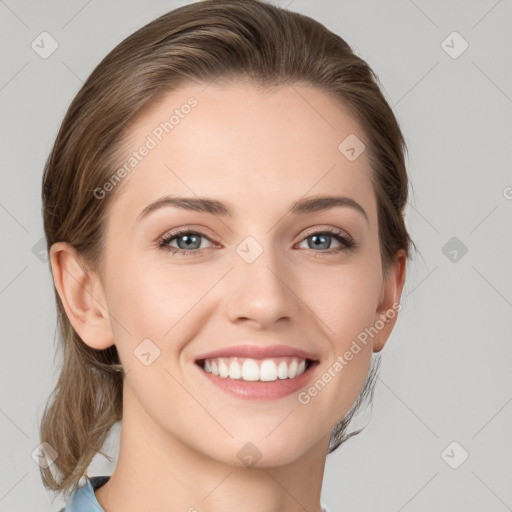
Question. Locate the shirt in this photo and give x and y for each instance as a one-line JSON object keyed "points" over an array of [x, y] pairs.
{"points": [[83, 498]]}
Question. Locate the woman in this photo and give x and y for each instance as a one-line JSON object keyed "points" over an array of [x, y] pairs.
{"points": [[224, 212]]}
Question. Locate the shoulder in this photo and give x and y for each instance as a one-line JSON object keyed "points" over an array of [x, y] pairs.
{"points": [[83, 498]]}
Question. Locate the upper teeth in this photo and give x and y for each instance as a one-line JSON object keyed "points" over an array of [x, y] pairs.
{"points": [[255, 369]]}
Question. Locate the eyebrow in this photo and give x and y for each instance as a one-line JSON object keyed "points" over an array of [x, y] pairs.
{"points": [[215, 207]]}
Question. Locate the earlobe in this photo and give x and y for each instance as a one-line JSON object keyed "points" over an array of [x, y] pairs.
{"points": [[387, 311], [82, 296]]}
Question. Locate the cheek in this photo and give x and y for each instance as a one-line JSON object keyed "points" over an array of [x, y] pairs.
{"points": [[152, 300], [154, 307], [345, 310], [345, 301], [140, 290]]}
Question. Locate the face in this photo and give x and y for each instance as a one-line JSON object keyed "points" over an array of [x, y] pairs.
{"points": [[184, 281]]}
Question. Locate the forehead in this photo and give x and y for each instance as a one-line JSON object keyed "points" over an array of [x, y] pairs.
{"points": [[242, 143]]}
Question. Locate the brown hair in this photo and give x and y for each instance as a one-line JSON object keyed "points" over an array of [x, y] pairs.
{"points": [[201, 42]]}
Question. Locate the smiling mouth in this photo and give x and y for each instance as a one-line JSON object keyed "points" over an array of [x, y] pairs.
{"points": [[256, 370]]}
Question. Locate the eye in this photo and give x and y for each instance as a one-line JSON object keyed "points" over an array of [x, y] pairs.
{"points": [[188, 242], [322, 240]]}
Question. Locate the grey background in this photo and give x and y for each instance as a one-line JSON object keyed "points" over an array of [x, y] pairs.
{"points": [[445, 374]]}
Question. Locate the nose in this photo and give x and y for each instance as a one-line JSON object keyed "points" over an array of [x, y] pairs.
{"points": [[261, 293]]}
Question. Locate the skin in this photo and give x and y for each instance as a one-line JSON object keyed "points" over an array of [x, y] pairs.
{"points": [[259, 152]]}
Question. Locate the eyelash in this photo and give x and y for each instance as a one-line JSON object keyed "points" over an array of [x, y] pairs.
{"points": [[347, 242]]}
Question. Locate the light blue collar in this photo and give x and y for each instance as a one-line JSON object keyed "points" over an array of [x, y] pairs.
{"points": [[83, 498]]}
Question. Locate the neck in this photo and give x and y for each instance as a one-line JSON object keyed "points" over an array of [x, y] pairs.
{"points": [[158, 472]]}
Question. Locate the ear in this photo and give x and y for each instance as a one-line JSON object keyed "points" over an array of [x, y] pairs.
{"points": [[387, 310], [82, 296]]}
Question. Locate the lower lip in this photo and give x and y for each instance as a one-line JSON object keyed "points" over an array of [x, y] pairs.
{"points": [[258, 390]]}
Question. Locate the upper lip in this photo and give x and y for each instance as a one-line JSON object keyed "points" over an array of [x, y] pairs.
{"points": [[258, 352]]}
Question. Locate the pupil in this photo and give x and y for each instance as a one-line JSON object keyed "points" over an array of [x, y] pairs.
{"points": [[324, 245], [188, 240]]}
